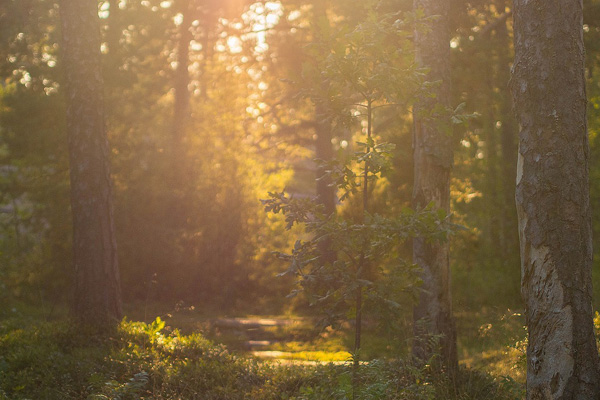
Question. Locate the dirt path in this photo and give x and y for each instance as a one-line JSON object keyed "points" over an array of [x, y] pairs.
{"points": [[282, 340]]}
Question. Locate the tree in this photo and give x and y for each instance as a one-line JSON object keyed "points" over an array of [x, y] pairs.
{"points": [[433, 156], [97, 288], [552, 199], [182, 78]]}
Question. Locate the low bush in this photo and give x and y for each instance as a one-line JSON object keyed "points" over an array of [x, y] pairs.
{"points": [[148, 361]]}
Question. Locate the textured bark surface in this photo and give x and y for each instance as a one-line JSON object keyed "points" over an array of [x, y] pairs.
{"points": [[433, 160], [97, 289], [553, 200]]}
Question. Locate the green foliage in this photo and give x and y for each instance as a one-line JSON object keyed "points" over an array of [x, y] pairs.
{"points": [[485, 258], [51, 361], [35, 220], [353, 266], [357, 66], [366, 252], [246, 129], [198, 242], [141, 361]]}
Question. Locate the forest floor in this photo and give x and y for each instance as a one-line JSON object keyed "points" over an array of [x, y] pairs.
{"points": [[490, 339], [168, 356]]}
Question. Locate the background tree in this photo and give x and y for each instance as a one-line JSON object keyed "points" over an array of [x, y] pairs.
{"points": [[97, 287], [553, 200], [433, 157], [482, 183]]}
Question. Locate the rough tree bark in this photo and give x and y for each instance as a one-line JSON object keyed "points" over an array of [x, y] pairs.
{"points": [[433, 160], [97, 289], [552, 199]]}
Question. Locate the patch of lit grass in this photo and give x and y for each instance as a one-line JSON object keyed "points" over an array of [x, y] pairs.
{"points": [[493, 341], [320, 356]]}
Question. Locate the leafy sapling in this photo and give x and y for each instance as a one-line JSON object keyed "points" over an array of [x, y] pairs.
{"points": [[354, 75]]}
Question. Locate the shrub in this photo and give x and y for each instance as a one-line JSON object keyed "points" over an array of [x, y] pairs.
{"points": [[147, 361]]}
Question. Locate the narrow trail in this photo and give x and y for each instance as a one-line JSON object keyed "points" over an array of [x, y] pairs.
{"points": [[273, 339]]}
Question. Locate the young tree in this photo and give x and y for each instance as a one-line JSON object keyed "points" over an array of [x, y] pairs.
{"points": [[553, 200], [433, 159], [97, 291]]}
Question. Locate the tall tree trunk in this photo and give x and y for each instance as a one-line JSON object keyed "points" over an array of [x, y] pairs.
{"points": [[323, 130], [508, 137], [492, 161], [552, 199], [181, 107], [325, 190], [433, 160], [97, 291], [114, 30], [324, 151], [178, 173]]}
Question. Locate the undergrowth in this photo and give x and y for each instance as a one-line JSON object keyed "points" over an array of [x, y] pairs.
{"points": [[147, 361]]}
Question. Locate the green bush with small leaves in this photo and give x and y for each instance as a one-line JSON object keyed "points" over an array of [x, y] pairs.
{"points": [[42, 360]]}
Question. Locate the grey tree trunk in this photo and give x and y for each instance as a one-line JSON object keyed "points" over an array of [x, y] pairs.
{"points": [[433, 158], [97, 289], [552, 199]]}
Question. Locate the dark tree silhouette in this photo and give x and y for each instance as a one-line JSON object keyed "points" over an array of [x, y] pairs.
{"points": [[433, 158]]}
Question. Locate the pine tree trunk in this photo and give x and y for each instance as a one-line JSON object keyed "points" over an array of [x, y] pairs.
{"points": [[553, 200], [97, 289], [508, 140], [181, 107], [433, 160]]}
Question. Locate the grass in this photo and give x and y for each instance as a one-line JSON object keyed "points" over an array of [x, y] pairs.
{"points": [[490, 339], [493, 341], [138, 360]]}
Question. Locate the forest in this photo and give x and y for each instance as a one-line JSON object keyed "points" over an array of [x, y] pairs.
{"points": [[299, 199]]}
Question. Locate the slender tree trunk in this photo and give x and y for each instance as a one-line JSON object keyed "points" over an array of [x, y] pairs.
{"points": [[433, 160], [114, 30], [179, 174], [492, 160], [553, 200], [324, 151], [181, 107], [323, 130], [325, 190], [97, 291], [508, 137]]}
